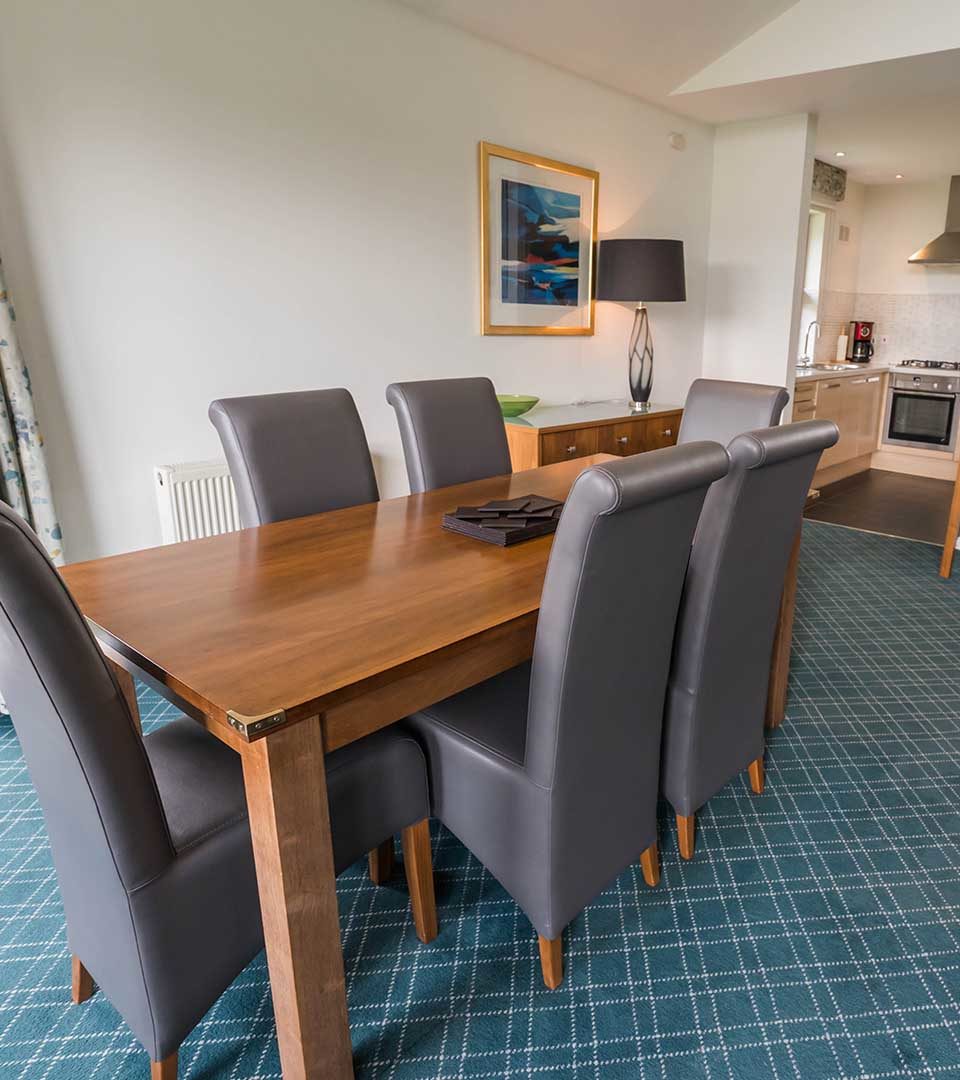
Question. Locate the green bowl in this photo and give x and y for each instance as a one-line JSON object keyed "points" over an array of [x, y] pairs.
{"points": [[516, 404]]}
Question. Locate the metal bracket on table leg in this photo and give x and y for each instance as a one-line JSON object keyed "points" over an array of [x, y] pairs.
{"points": [[248, 726]]}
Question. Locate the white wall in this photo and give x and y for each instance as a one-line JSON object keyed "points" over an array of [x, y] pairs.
{"points": [[898, 219], [843, 264], [200, 200], [838, 300], [761, 197], [916, 308]]}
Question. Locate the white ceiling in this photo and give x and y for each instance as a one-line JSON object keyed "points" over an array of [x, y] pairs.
{"points": [[645, 47], [893, 115]]}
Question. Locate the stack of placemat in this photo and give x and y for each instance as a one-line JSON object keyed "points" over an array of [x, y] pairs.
{"points": [[506, 521]]}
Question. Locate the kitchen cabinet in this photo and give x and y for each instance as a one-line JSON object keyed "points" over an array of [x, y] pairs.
{"points": [[866, 397], [853, 403]]}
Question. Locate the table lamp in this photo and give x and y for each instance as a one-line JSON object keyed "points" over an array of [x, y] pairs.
{"points": [[641, 271]]}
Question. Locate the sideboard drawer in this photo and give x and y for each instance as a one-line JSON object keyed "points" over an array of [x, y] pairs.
{"points": [[622, 439], [563, 445], [660, 431]]}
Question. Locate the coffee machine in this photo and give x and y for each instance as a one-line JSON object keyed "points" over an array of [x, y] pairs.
{"points": [[860, 342]]}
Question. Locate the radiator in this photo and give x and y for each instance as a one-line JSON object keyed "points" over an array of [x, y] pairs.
{"points": [[195, 499]]}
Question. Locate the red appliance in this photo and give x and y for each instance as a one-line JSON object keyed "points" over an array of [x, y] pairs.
{"points": [[860, 342]]}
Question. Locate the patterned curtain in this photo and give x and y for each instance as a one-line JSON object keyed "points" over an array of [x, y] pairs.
{"points": [[24, 483]]}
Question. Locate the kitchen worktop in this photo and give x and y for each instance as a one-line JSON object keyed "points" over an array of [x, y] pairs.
{"points": [[808, 374]]}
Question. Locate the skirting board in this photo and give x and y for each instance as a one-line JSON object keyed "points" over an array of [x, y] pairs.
{"points": [[936, 466]]}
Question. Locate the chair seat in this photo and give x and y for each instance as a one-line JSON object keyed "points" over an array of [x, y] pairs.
{"points": [[199, 779], [376, 787], [492, 714]]}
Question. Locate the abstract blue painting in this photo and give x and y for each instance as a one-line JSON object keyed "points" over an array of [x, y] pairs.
{"points": [[539, 245]]}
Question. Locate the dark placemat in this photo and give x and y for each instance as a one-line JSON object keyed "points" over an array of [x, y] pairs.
{"points": [[506, 521]]}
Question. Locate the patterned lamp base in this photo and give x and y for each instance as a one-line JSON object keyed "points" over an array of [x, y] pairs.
{"points": [[640, 356]]}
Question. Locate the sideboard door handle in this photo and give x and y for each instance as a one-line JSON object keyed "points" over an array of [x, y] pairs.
{"points": [[572, 449], [623, 439], [668, 431]]}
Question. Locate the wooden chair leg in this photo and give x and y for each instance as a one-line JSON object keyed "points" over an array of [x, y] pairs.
{"points": [[551, 960], [756, 775], [381, 862], [650, 864], [418, 866], [81, 982], [166, 1069], [686, 834]]}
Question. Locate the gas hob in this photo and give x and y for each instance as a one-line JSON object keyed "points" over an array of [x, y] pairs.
{"points": [[931, 365]]}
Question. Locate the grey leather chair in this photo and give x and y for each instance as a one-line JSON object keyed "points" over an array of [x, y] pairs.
{"points": [[452, 431], [548, 772], [150, 834], [713, 722], [720, 410], [294, 454]]}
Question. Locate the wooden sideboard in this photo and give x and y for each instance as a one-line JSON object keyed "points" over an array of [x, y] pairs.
{"points": [[555, 433]]}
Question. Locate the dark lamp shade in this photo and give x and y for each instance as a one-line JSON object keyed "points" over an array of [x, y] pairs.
{"points": [[641, 270]]}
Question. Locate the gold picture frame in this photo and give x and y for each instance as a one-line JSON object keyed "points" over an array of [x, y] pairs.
{"points": [[566, 282]]}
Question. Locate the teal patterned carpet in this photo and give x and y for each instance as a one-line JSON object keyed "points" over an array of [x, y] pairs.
{"points": [[815, 935]]}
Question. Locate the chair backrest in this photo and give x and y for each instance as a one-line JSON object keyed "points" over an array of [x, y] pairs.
{"points": [[602, 651], [86, 759], [295, 454], [452, 431], [721, 660], [720, 410]]}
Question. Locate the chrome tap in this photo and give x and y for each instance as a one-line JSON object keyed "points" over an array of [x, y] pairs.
{"points": [[806, 360]]}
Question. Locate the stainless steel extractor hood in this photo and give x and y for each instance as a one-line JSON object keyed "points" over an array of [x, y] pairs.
{"points": [[946, 247]]}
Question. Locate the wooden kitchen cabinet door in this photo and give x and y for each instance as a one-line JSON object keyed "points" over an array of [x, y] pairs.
{"points": [[869, 432], [837, 402]]}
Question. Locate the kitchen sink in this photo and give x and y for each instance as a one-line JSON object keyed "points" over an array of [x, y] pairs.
{"points": [[805, 369]]}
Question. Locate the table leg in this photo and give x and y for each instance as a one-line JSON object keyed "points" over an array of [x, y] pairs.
{"points": [[129, 690], [953, 528], [783, 640], [286, 787]]}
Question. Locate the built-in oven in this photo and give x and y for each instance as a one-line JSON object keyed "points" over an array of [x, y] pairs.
{"points": [[922, 411]]}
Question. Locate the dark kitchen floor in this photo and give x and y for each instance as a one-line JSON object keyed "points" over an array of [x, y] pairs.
{"points": [[894, 504]]}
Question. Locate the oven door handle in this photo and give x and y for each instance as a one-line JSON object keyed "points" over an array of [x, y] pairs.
{"points": [[922, 393]]}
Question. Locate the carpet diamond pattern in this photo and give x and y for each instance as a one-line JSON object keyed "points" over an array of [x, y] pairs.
{"points": [[815, 934]]}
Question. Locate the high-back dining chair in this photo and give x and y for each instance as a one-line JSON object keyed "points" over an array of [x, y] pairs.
{"points": [[720, 410], [548, 772], [452, 431], [149, 834], [713, 722], [294, 454]]}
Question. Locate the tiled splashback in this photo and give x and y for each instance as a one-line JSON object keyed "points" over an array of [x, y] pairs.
{"points": [[926, 327]]}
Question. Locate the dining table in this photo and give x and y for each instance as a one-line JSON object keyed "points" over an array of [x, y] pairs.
{"points": [[290, 640]]}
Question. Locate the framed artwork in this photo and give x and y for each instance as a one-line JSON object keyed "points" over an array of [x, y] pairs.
{"points": [[538, 226]]}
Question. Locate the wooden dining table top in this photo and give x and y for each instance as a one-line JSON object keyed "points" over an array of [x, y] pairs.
{"points": [[283, 620]]}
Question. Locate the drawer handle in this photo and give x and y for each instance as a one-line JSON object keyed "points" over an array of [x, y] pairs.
{"points": [[874, 378], [623, 440], [572, 449]]}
